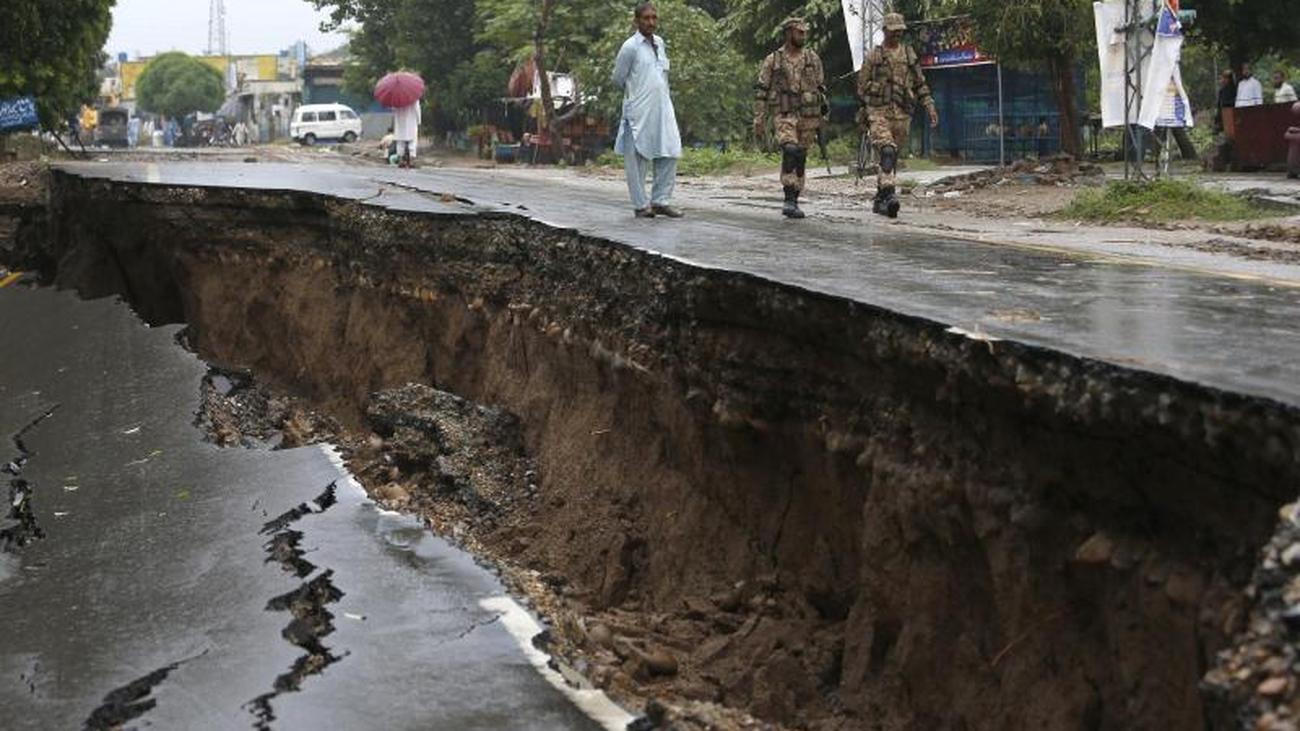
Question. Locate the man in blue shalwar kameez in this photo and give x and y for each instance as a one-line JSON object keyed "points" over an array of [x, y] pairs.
{"points": [[647, 132]]}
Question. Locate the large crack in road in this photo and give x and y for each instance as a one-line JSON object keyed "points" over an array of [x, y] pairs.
{"points": [[312, 621], [20, 526]]}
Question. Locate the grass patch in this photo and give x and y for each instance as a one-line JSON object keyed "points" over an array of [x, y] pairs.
{"points": [[1160, 201], [747, 162], [709, 161]]}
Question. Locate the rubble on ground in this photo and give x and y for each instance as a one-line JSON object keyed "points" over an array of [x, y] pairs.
{"points": [[235, 411], [1254, 685], [1059, 170]]}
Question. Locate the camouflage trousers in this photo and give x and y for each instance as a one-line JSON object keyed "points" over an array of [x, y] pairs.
{"points": [[889, 127], [800, 131]]}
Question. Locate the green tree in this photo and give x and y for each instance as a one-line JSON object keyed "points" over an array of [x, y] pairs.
{"points": [[711, 83], [572, 28], [433, 37], [1247, 29], [175, 84], [52, 50], [1031, 33]]}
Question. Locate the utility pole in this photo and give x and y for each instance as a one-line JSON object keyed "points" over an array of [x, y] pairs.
{"points": [[218, 41]]}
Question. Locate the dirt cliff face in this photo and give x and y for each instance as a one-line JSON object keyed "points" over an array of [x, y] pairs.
{"points": [[829, 514]]}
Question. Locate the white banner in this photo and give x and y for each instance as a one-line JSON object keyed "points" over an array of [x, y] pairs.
{"points": [[865, 22], [1109, 15], [1164, 100]]}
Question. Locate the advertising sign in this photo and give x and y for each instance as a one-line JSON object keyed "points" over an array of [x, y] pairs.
{"points": [[949, 42], [18, 113]]}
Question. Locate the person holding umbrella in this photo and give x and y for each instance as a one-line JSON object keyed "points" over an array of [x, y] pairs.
{"points": [[401, 91]]}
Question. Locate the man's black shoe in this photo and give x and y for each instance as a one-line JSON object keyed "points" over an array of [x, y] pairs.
{"points": [[644, 213], [667, 211]]}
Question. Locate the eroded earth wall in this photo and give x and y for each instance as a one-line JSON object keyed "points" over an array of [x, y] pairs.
{"points": [[932, 531]]}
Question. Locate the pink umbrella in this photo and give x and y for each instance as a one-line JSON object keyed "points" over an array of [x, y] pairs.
{"points": [[399, 89]]}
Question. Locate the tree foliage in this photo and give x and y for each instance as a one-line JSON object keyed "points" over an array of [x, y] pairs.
{"points": [[1248, 29], [712, 84], [436, 38], [175, 84], [573, 28], [1034, 33], [52, 50]]}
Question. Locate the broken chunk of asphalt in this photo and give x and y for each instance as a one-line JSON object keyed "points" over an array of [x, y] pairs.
{"points": [[20, 527]]}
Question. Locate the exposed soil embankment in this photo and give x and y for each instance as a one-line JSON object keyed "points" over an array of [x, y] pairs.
{"points": [[826, 513]]}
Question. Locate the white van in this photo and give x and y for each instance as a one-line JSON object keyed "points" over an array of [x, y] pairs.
{"points": [[312, 122]]}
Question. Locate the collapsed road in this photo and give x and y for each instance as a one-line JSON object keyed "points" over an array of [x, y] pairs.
{"points": [[848, 480]]}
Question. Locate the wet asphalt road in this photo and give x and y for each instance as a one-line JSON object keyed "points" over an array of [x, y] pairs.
{"points": [[1236, 333], [153, 576]]}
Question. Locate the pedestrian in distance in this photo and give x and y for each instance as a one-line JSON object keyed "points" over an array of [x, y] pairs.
{"points": [[1283, 92], [406, 131], [648, 138], [791, 89], [1227, 98], [1250, 93], [891, 84]]}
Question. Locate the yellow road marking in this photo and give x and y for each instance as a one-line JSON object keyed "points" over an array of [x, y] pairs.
{"points": [[10, 279]]}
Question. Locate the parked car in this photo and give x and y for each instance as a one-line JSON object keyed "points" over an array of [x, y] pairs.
{"points": [[314, 122]]}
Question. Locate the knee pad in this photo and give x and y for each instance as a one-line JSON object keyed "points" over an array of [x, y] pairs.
{"points": [[789, 159], [888, 158], [801, 159]]}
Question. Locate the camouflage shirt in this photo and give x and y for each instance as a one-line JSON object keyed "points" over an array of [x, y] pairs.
{"points": [[790, 85], [891, 78]]}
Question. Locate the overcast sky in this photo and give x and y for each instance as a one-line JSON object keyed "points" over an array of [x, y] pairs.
{"points": [[146, 27]]}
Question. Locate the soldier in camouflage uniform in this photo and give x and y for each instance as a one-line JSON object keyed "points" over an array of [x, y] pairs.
{"points": [[792, 89], [891, 85]]}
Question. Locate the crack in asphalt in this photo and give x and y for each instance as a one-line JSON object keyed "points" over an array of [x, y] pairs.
{"points": [[474, 626], [311, 622], [19, 527], [132, 700]]}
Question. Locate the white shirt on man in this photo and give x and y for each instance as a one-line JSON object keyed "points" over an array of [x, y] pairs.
{"points": [[641, 69], [1250, 93], [1284, 93]]}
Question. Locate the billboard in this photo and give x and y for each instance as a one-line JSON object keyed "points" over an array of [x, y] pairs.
{"points": [[18, 113], [948, 42]]}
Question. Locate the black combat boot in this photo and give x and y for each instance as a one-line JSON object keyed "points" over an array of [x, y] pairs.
{"points": [[791, 207], [878, 203], [892, 204], [886, 203]]}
